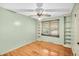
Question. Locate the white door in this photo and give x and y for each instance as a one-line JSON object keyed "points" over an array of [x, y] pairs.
{"points": [[77, 34]]}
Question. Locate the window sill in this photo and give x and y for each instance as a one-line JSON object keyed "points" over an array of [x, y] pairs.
{"points": [[50, 35]]}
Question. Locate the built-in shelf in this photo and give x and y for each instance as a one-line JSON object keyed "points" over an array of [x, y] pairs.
{"points": [[67, 31], [67, 35], [67, 43], [67, 38]]}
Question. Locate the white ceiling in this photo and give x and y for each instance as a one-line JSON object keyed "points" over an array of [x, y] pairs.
{"points": [[67, 7]]}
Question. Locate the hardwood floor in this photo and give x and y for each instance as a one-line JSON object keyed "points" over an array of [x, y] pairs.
{"points": [[41, 48]]}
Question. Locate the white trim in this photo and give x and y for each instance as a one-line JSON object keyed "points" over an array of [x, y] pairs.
{"points": [[17, 47]]}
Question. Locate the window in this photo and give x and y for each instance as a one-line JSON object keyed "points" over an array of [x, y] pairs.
{"points": [[50, 28]]}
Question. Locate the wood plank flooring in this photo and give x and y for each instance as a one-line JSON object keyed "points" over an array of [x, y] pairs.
{"points": [[41, 48]]}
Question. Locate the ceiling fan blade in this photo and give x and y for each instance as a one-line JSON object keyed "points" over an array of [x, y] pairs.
{"points": [[32, 15], [48, 15], [44, 15], [25, 10], [56, 10]]}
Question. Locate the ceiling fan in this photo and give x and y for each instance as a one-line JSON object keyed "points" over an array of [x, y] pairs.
{"points": [[40, 12]]}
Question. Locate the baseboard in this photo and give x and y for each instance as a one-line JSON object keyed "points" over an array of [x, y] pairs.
{"points": [[16, 47]]}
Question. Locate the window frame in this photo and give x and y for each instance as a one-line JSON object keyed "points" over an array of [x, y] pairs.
{"points": [[49, 33]]}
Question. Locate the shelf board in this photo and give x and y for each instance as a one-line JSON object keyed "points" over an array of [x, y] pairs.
{"points": [[67, 42], [67, 38]]}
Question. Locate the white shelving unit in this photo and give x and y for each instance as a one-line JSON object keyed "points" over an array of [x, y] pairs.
{"points": [[39, 28], [67, 31]]}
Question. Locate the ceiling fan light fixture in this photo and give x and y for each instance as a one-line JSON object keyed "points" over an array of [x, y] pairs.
{"points": [[39, 11], [39, 14]]}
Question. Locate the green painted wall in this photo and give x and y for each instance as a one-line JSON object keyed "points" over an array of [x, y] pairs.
{"points": [[15, 30]]}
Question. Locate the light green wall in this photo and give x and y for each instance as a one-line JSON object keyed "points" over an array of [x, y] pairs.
{"points": [[11, 35], [56, 40]]}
